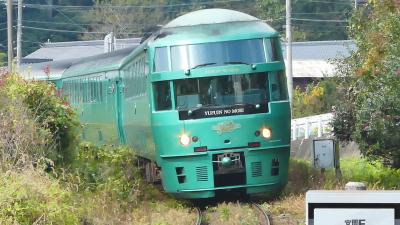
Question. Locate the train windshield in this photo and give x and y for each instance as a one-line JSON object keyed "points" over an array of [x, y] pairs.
{"points": [[240, 94], [182, 57], [217, 54]]}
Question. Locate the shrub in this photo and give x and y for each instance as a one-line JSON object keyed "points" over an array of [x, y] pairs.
{"points": [[315, 99], [369, 105], [22, 142], [109, 169], [29, 197], [303, 177], [51, 113]]}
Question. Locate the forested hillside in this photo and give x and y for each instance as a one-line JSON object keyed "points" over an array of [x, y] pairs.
{"points": [[71, 20]]}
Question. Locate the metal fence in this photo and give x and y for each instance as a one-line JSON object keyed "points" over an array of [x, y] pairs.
{"points": [[311, 126]]}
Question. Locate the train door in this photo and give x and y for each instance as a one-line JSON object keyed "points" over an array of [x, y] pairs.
{"points": [[119, 105]]}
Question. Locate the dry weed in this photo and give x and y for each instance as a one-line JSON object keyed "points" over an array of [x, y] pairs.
{"points": [[22, 143], [231, 214], [289, 210]]}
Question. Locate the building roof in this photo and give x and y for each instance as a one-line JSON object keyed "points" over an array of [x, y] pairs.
{"points": [[311, 59], [76, 49]]}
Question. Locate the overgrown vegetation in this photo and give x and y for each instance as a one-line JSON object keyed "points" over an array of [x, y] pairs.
{"points": [[369, 82], [46, 177], [375, 175], [317, 98]]}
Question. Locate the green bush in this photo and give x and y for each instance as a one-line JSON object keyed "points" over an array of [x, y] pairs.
{"points": [[29, 197], [315, 99], [107, 168], [375, 175], [369, 101], [49, 111]]}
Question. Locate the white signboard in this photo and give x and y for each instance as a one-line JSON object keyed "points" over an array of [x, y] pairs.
{"points": [[341, 216]]}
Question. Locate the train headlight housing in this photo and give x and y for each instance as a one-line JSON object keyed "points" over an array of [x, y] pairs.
{"points": [[184, 139], [266, 132]]}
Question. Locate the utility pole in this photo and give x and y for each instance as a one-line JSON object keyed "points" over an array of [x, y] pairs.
{"points": [[355, 4], [9, 34], [19, 35], [289, 74]]}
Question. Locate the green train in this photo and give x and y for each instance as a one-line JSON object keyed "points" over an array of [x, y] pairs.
{"points": [[203, 102]]}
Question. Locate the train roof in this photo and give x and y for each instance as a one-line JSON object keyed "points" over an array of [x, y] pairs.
{"points": [[99, 63], [54, 70], [209, 16], [209, 25]]}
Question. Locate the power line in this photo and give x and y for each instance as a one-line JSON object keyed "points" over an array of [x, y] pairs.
{"points": [[318, 13], [335, 2], [319, 20], [314, 25], [128, 6], [81, 24], [72, 31], [59, 23]]}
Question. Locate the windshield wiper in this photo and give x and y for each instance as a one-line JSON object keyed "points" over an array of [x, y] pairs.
{"points": [[237, 62], [202, 65]]}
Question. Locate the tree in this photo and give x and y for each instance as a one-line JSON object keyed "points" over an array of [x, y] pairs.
{"points": [[3, 59], [369, 106], [311, 20], [135, 18]]}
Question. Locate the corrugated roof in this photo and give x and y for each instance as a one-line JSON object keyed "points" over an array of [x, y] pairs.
{"points": [[321, 50], [311, 59], [77, 49]]}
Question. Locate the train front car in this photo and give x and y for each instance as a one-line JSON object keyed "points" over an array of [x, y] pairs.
{"points": [[220, 112]]}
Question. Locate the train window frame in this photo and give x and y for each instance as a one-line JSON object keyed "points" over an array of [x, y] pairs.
{"points": [[167, 92], [271, 46], [166, 66], [187, 53], [278, 78]]}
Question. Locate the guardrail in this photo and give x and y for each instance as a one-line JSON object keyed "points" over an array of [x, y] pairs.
{"points": [[311, 126]]}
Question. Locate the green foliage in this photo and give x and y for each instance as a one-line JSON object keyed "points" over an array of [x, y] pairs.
{"points": [[139, 21], [375, 175], [3, 59], [369, 109], [315, 99], [32, 198], [110, 169], [309, 17], [49, 111], [22, 142]]}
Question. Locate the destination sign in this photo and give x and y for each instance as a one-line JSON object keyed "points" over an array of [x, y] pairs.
{"points": [[218, 111], [354, 216], [223, 112]]}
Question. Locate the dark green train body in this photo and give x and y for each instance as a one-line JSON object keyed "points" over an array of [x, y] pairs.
{"points": [[204, 98]]}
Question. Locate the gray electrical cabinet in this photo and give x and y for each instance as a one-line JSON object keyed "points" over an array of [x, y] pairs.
{"points": [[325, 154]]}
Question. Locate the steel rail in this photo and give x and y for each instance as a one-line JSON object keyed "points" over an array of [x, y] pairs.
{"points": [[263, 216], [199, 216]]}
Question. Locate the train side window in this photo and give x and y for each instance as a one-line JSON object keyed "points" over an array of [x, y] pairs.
{"points": [[271, 46], [161, 60], [278, 86], [162, 95]]}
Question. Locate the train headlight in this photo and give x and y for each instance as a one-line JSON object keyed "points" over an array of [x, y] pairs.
{"points": [[184, 139], [266, 132]]}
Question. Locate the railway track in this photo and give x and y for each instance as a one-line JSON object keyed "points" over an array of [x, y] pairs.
{"points": [[199, 216], [263, 217]]}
